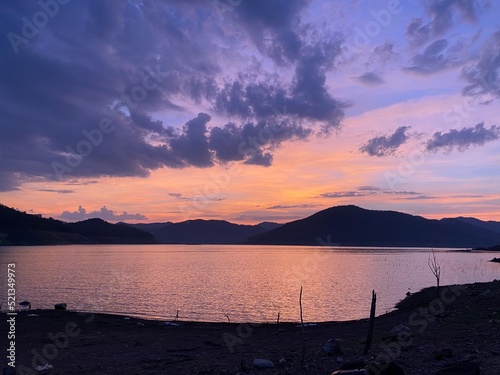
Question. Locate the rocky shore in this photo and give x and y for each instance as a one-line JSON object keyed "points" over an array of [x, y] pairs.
{"points": [[425, 333]]}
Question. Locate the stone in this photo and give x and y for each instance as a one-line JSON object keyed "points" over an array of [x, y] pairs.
{"points": [[442, 354], [401, 330], [282, 361], [487, 294], [60, 306], [262, 363], [459, 368], [332, 347]]}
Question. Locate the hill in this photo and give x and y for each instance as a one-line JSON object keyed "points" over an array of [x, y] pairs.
{"points": [[490, 225], [204, 231], [355, 226], [20, 228]]}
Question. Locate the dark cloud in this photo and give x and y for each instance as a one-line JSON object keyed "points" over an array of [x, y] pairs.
{"points": [[483, 76], [192, 145], [272, 26], [365, 191], [442, 14], [252, 142], [132, 63], [441, 55], [464, 138], [433, 59], [386, 145], [104, 213], [58, 191], [305, 97], [369, 79]]}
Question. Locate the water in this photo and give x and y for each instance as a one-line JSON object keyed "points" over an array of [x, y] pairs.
{"points": [[242, 283]]}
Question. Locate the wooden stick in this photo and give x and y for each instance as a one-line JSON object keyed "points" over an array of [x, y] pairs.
{"points": [[372, 322]]}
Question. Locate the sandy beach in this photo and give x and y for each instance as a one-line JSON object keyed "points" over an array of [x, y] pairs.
{"points": [[462, 325]]}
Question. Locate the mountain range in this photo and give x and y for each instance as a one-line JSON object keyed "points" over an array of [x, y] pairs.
{"points": [[336, 226]]}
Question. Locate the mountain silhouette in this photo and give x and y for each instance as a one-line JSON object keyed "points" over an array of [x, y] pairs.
{"points": [[21, 228], [204, 231], [355, 226]]}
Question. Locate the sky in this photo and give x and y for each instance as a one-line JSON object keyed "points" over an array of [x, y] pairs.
{"points": [[249, 110]]}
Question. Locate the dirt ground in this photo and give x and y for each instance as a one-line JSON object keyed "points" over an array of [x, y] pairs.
{"points": [[462, 324]]}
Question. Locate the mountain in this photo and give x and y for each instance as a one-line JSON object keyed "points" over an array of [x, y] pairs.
{"points": [[490, 225], [20, 228], [355, 226], [204, 231]]}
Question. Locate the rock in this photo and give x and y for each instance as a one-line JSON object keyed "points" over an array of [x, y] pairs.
{"points": [[390, 368], [262, 363], [332, 347], [282, 361], [60, 306], [350, 372], [487, 294], [495, 260], [442, 354], [401, 330], [354, 364], [459, 368]]}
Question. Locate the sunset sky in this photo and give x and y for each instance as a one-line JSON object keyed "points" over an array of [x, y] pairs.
{"points": [[249, 110]]}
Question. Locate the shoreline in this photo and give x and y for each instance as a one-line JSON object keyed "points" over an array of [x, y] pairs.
{"points": [[465, 320]]}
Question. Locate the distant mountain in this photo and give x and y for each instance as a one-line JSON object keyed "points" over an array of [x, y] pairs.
{"points": [[355, 226], [204, 231], [267, 225], [490, 225], [20, 228]]}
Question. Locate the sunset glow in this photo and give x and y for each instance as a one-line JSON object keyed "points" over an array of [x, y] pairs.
{"points": [[256, 111]]}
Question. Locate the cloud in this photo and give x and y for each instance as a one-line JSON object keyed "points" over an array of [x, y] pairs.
{"points": [[104, 213], [483, 76], [431, 60], [365, 191], [463, 139], [281, 207], [417, 197], [369, 79], [442, 14], [140, 64], [306, 96], [58, 191], [253, 142], [182, 197], [386, 145], [442, 54]]}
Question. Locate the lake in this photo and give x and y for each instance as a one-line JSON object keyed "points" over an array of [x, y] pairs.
{"points": [[240, 283]]}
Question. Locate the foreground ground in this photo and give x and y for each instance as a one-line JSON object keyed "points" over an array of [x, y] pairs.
{"points": [[465, 320]]}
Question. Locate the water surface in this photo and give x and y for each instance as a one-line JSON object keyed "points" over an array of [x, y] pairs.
{"points": [[244, 283]]}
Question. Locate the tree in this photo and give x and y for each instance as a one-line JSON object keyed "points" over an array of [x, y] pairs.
{"points": [[435, 269]]}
